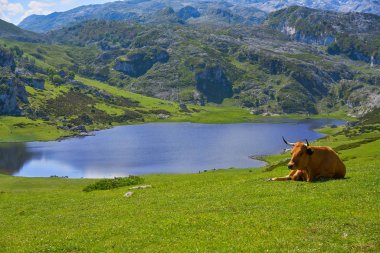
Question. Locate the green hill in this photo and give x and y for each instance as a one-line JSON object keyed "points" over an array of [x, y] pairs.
{"points": [[10, 31]]}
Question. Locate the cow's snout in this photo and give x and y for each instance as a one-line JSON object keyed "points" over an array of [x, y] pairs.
{"points": [[290, 165]]}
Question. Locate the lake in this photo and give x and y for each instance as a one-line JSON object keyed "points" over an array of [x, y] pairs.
{"points": [[156, 148]]}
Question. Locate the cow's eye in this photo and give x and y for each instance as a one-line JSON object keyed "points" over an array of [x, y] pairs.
{"points": [[301, 153]]}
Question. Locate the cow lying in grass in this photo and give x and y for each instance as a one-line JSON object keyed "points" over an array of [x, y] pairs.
{"points": [[310, 163]]}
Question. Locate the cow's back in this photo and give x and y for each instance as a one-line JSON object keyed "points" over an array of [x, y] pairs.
{"points": [[326, 163]]}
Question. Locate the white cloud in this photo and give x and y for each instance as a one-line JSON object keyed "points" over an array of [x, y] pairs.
{"points": [[9, 10], [66, 2], [39, 8]]}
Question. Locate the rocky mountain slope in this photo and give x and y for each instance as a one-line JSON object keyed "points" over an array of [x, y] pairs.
{"points": [[150, 11], [192, 11], [366, 6], [13, 95], [255, 67], [299, 60], [356, 35]]}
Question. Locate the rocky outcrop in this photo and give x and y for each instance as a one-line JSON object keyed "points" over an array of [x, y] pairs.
{"points": [[214, 84], [352, 34], [37, 83], [12, 94], [188, 12], [6, 59], [139, 61], [298, 35]]}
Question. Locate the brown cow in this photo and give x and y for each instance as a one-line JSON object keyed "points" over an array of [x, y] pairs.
{"points": [[310, 163]]}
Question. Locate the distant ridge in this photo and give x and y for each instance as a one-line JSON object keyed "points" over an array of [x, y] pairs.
{"points": [[231, 11]]}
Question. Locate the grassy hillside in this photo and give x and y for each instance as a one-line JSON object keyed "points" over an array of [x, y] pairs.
{"points": [[218, 211], [10, 31], [66, 108]]}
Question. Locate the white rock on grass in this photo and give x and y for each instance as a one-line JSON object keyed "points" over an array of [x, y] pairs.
{"points": [[128, 194], [140, 187]]}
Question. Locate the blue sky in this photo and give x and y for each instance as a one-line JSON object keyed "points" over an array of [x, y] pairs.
{"points": [[15, 11]]}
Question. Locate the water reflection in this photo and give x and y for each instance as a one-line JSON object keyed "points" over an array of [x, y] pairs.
{"points": [[13, 156]]}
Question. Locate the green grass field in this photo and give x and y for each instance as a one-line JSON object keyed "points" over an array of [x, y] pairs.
{"points": [[234, 210]]}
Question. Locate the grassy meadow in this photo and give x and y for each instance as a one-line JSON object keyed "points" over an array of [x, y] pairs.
{"points": [[233, 210]]}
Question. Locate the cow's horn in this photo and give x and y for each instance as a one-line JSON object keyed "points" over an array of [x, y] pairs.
{"points": [[307, 143], [288, 143]]}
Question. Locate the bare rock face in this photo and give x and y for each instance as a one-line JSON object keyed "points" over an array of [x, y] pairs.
{"points": [[12, 94], [139, 61], [7, 59], [36, 83], [331, 29], [214, 84]]}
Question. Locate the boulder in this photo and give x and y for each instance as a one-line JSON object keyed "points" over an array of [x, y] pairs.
{"points": [[128, 194]]}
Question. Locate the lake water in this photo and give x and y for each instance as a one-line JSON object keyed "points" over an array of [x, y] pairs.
{"points": [[155, 148]]}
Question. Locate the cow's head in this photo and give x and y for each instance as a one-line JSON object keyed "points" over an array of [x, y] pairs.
{"points": [[300, 153]]}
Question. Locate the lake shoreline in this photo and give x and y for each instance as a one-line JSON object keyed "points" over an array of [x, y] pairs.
{"points": [[178, 148]]}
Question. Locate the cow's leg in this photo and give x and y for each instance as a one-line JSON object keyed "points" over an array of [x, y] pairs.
{"points": [[310, 177], [286, 178], [298, 176]]}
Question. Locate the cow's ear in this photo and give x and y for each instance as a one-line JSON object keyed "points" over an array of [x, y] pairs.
{"points": [[310, 151]]}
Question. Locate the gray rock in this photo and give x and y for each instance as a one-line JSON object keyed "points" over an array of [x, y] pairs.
{"points": [[12, 95], [79, 128], [128, 194], [163, 116], [140, 187], [37, 83]]}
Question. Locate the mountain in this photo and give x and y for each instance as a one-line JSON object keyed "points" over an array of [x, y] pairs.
{"points": [[356, 35], [257, 67], [366, 6], [150, 11], [299, 60], [10, 31], [198, 11]]}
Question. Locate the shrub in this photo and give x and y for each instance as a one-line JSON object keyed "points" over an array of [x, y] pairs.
{"points": [[160, 111], [58, 80], [333, 49], [107, 184]]}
